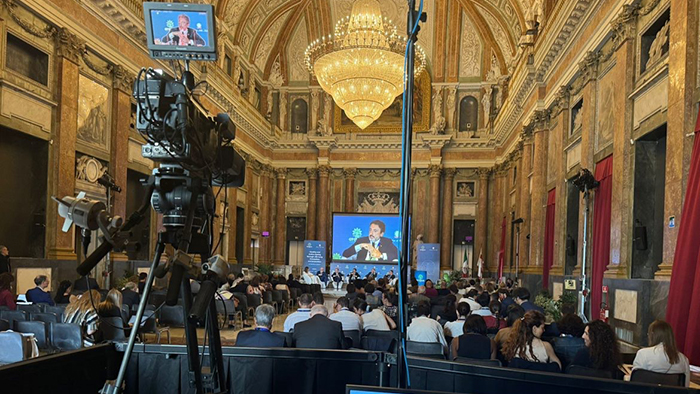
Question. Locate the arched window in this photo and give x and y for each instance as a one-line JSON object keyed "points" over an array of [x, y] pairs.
{"points": [[468, 114], [300, 115]]}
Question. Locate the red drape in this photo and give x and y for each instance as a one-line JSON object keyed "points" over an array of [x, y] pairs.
{"points": [[601, 231], [548, 258], [683, 300], [502, 251]]}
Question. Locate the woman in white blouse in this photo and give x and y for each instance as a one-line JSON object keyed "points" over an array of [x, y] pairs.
{"points": [[662, 355], [373, 319]]}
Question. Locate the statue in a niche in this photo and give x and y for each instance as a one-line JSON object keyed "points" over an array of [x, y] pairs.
{"points": [[656, 51], [322, 128]]}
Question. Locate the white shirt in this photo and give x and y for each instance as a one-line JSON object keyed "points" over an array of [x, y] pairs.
{"points": [[454, 328], [655, 359], [349, 320], [375, 320], [302, 314], [473, 305], [482, 311], [309, 279], [425, 329]]}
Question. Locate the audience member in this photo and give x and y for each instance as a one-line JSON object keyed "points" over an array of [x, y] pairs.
{"points": [[505, 299], [318, 298], [82, 285], [419, 296], [521, 296], [483, 300], [38, 295], [569, 341], [379, 288], [425, 329], [292, 282], [456, 328], [390, 302], [306, 302], [372, 299], [281, 284], [319, 332], [5, 260], [142, 282], [430, 290], [662, 355], [337, 278], [111, 306], [7, 297], [63, 292], [351, 293], [470, 298], [82, 312], [515, 313], [449, 312], [524, 340], [261, 336], [474, 343], [130, 295], [242, 287], [602, 350], [256, 288], [343, 314], [373, 319]]}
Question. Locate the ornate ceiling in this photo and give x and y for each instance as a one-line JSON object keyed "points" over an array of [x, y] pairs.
{"points": [[273, 34]]}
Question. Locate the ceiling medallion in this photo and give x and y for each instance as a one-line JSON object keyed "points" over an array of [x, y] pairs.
{"points": [[362, 64]]}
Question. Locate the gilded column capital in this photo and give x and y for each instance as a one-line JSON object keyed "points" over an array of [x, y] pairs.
{"points": [[540, 120], [624, 26], [122, 79], [312, 173], [350, 173], [256, 165], [483, 173], [69, 46], [324, 170], [561, 100], [434, 170], [589, 66], [450, 172], [281, 173], [267, 170]]}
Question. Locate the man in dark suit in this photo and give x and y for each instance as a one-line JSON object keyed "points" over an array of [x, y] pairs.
{"points": [[80, 285], [319, 332], [375, 246], [38, 295], [5, 260], [521, 296], [261, 335], [129, 294], [183, 34]]}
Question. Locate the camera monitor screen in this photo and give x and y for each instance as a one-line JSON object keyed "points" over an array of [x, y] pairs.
{"points": [[353, 389], [180, 31]]}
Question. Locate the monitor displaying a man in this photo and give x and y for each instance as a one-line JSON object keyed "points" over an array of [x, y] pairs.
{"points": [[180, 35], [374, 247]]}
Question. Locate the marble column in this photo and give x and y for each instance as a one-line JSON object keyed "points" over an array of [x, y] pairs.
{"points": [[233, 224], [248, 212], [122, 81], [525, 197], [350, 189], [495, 217], [560, 133], [280, 219], [482, 209], [62, 150], [311, 206], [266, 208], [434, 217], [323, 200], [446, 230], [539, 194], [682, 69]]}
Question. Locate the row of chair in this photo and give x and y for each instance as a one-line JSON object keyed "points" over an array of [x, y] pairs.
{"points": [[50, 336]]}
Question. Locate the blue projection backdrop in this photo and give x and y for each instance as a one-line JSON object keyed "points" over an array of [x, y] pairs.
{"points": [[163, 21], [314, 255], [429, 261]]}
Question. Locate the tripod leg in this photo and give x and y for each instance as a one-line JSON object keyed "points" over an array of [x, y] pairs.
{"points": [[216, 359], [195, 376]]}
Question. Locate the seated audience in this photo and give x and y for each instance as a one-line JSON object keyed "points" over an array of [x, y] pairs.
{"points": [[370, 297], [130, 296], [515, 313], [569, 341], [111, 306], [256, 287], [389, 304], [319, 332], [261, 336], [662, 355], [373, 319], [419, 296], [430, 290], [82, 285], [7, 297], [82, 312], [306, 302], [343, 314], [456, 328], [449, 312], [474, 343], [524, 340], [470, 298], [505, 299], [425, 329], [142, 282], [602, 350], [379, 288], [38, 295], [351, 294], [281, 284], [521, 296], [63, 292], [292, 282], [318, 298], [495, 307]]}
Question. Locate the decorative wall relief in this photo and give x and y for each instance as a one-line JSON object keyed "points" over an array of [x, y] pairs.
{"points": [[465, 190], [296, 190], [654, 42], [378, 202], [93, 114], [87, 170], [606, 109], [470, 49], [576, 117]]}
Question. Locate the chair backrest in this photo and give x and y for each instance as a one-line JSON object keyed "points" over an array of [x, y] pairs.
{"points": [[4, 308], [379, 344], [424, 348], [476, 361], [288, 338], [45, 317], [4, 325], [59, 310], [585, 371], [267, 297], [226, 307], [11, 349], [149, 326], [112, 328], [665, 379], [38, 328], [354, 335], [524, 364], [30, 308], [379, 333], [11, 316], [174, 316], [276, 296], [436, 310], [125, 312], [66, 336], [149, 307]]}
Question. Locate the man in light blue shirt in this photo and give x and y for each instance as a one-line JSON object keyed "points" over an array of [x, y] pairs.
{"points": [[350, 320], [306, 302]]}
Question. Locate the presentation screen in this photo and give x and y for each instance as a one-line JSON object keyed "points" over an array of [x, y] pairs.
{"points": [[366, 239]]}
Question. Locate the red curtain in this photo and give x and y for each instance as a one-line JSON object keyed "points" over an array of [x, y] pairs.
{"points": [[502, 251], [601, 231], [548, 259], [683, 300]]}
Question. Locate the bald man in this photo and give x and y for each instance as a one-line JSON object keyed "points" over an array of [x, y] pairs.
{"points": [[319, 332]]}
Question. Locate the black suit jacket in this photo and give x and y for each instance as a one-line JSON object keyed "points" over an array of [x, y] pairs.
{"points": [[319, 332], [5, 264], [172, 38], [80, 285], [385, 246], [130, 297], [259, 338]]}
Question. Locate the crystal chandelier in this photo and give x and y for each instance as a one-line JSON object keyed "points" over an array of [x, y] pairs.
{"points": [[362, 64]]}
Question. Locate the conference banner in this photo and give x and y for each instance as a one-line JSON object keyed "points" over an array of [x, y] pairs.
{"points": [[429, 261], [314, 255]]}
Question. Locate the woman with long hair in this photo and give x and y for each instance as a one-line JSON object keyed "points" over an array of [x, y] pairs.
{"points": [[515, 313], [449, 313], [602, 350], [7, 298], [63, 292], [525, 341], [111, 306], [474, 343], [662, 355], [83, 313]]}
